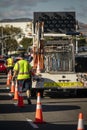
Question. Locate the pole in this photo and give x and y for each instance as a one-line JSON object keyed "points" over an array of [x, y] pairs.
{"points": [[2, 41], [76, 37], [76, 45]]}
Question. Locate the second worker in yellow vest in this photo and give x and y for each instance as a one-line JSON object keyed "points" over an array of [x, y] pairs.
{"points": [[10, 64]]}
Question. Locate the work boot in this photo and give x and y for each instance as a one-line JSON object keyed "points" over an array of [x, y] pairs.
{"points": [[29, 101]]}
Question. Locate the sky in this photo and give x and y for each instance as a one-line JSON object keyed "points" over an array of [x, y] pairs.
{"points": [[11, 9]]}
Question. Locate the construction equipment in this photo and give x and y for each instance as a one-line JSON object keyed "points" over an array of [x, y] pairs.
{"points": [[54, 54]]}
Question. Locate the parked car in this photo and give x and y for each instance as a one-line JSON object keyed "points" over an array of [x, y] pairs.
{"points": [[3, 68]]}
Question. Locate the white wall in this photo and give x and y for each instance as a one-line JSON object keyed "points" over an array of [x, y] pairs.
{"points": [[25, 26]]}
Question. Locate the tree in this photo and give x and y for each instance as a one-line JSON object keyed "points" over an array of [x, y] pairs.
{"points": [[7, 36], [82, 42], [10, 30], [26, 42], [11, 44]]}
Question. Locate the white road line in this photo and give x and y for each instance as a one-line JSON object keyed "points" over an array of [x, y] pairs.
{"points": [[31, 123], [10, 94], [7, 88], [16, 104]]}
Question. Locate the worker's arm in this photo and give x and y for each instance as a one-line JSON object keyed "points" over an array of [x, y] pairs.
{"points": [[31, 71], [14, 75]]}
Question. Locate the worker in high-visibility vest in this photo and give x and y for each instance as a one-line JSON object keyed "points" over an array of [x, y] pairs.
{"points": [[10, 64], [22, 69]]}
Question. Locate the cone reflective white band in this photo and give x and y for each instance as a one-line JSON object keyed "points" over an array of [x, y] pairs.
{"points": [[39, 106], [16, 88], [80, 125], [38, 99], [12, 82]]}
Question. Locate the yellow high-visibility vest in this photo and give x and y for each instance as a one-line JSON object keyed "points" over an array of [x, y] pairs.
{"points": [[22, 67], [10, 62]]}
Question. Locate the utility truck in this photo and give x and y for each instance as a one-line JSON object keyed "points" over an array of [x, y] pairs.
{"points": [[54, 54]]}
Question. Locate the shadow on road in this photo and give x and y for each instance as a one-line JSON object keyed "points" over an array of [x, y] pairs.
{"points": [[2, 90], [24, 125], [2, 83], [5, 97], [14, 125], [60, 126], [49, 108], [12, 108]]}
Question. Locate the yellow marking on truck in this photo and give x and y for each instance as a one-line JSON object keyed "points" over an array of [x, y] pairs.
{"points": [[63, 84]]}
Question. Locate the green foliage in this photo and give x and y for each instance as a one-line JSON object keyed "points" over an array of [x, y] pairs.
{"points": [[10, 30], [26, 42], [82, 42], [7, 35], [11, 44]]}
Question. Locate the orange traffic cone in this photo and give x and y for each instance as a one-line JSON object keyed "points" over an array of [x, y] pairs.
{"points": [[20, 100], [39, 115], [8, 79], [12, 87], [80, 122], [10, 75], [16, 92], [20, 97]]}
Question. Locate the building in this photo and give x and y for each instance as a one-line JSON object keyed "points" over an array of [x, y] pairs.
{"points": [[24, 24]]}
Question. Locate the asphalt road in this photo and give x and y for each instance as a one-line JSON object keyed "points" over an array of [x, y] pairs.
{"points": [[59, 113]]}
